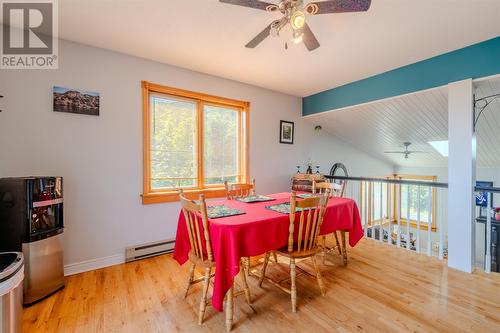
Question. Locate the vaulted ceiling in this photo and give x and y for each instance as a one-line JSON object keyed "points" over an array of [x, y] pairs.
{"points": [[209, 36], [385, 125], [417, 118]]}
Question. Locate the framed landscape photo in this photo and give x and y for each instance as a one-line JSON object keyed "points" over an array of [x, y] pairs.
{"points": [[286, 132], [75, 101]]}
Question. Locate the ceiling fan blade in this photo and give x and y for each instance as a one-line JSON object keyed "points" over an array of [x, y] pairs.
{"points": [[252, 4], [260, 37], [337, 6], [395, 152], [309, 39]]}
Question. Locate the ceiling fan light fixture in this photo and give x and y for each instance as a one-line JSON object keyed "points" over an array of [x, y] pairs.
{"points": [[272, 8], [298, 20], [274, 32], [294, 14], [312, 9], [298, 37]]}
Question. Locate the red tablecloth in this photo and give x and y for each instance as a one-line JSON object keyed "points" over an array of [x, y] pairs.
{"points": [[256, 232]]}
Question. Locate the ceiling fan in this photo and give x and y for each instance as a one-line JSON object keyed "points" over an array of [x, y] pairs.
{"points": [[406, 152], [294, 13]]}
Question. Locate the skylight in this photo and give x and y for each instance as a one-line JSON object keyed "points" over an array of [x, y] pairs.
{"points": [[440, 146]]}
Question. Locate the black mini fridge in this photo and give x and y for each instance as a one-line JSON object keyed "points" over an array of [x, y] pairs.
{"points": [[31, 222]]}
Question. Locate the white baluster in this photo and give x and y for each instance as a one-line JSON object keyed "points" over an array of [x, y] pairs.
{"points": [[489, 200], [440, 222], [360, 203], [372, 187], [381, 227], [429, 223], [418, 219], [398, 241], [408, 240], [366, 208], [389, 217]]}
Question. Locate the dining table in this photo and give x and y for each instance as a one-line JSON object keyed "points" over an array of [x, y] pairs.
{"points": [[257, 231]]}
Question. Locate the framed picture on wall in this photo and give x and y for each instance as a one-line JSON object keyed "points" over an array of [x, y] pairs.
{"points": [[482, 196], [75, 101], [286, 132]]}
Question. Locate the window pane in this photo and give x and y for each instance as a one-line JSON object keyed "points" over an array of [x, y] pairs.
{"points": [[173, 138], [404, 201], [424, 203], [221, 126], [376, 201]]}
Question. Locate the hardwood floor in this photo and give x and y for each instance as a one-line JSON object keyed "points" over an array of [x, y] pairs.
{"points": [[382, 289]]}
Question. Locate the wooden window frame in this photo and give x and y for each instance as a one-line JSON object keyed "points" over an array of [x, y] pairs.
{"points": [[394, 204], [151, 196]]}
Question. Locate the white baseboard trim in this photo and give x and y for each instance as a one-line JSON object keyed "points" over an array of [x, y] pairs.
{"points": [[90, 265]]}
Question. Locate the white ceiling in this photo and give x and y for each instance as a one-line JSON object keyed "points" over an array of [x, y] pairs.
{"points": [[417, 118], [208, 36], [385, 125]]}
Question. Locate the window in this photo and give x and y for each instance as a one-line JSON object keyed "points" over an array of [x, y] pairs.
{"points": [[410, 202], [378, 204], [192, 141]]}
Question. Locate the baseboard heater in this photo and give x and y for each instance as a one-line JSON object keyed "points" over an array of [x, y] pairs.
{"points": [[149, 250]]}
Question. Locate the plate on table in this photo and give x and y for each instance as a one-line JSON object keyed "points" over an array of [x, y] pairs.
{"points": [[255, 198], [283, 208], [218, 211]]}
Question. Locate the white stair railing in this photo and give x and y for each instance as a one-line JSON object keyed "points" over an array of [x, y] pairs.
{"points": [[393, 226]]}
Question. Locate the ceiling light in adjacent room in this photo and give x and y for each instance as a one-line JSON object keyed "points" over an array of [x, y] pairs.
{"points": [[440, 146]]}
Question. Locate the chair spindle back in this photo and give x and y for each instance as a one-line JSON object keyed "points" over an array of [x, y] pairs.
{"points": [[234, 191], [336, 189], [193, 212], [310, 220]]}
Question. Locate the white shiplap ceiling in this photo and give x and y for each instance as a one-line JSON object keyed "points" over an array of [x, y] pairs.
{"points": [[209, 36], [417, 118]]}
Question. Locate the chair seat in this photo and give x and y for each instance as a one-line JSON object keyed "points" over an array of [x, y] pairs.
{"points": [[297, 254]]}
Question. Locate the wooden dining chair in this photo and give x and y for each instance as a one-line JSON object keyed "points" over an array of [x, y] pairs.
{"points": [[201, 256], [336, 190], [234, 191], [306, 245]]}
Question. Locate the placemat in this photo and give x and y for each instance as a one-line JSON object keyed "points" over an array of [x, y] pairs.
{"points": [[283, 208], [217, 211], [255, 198]]}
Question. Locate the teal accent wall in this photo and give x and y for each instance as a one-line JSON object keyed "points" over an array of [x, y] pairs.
{"points": [[475, 61]]}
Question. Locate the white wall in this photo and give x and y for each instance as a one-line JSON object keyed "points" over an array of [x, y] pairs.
{"points": [[328, 149], [100, 158]]}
